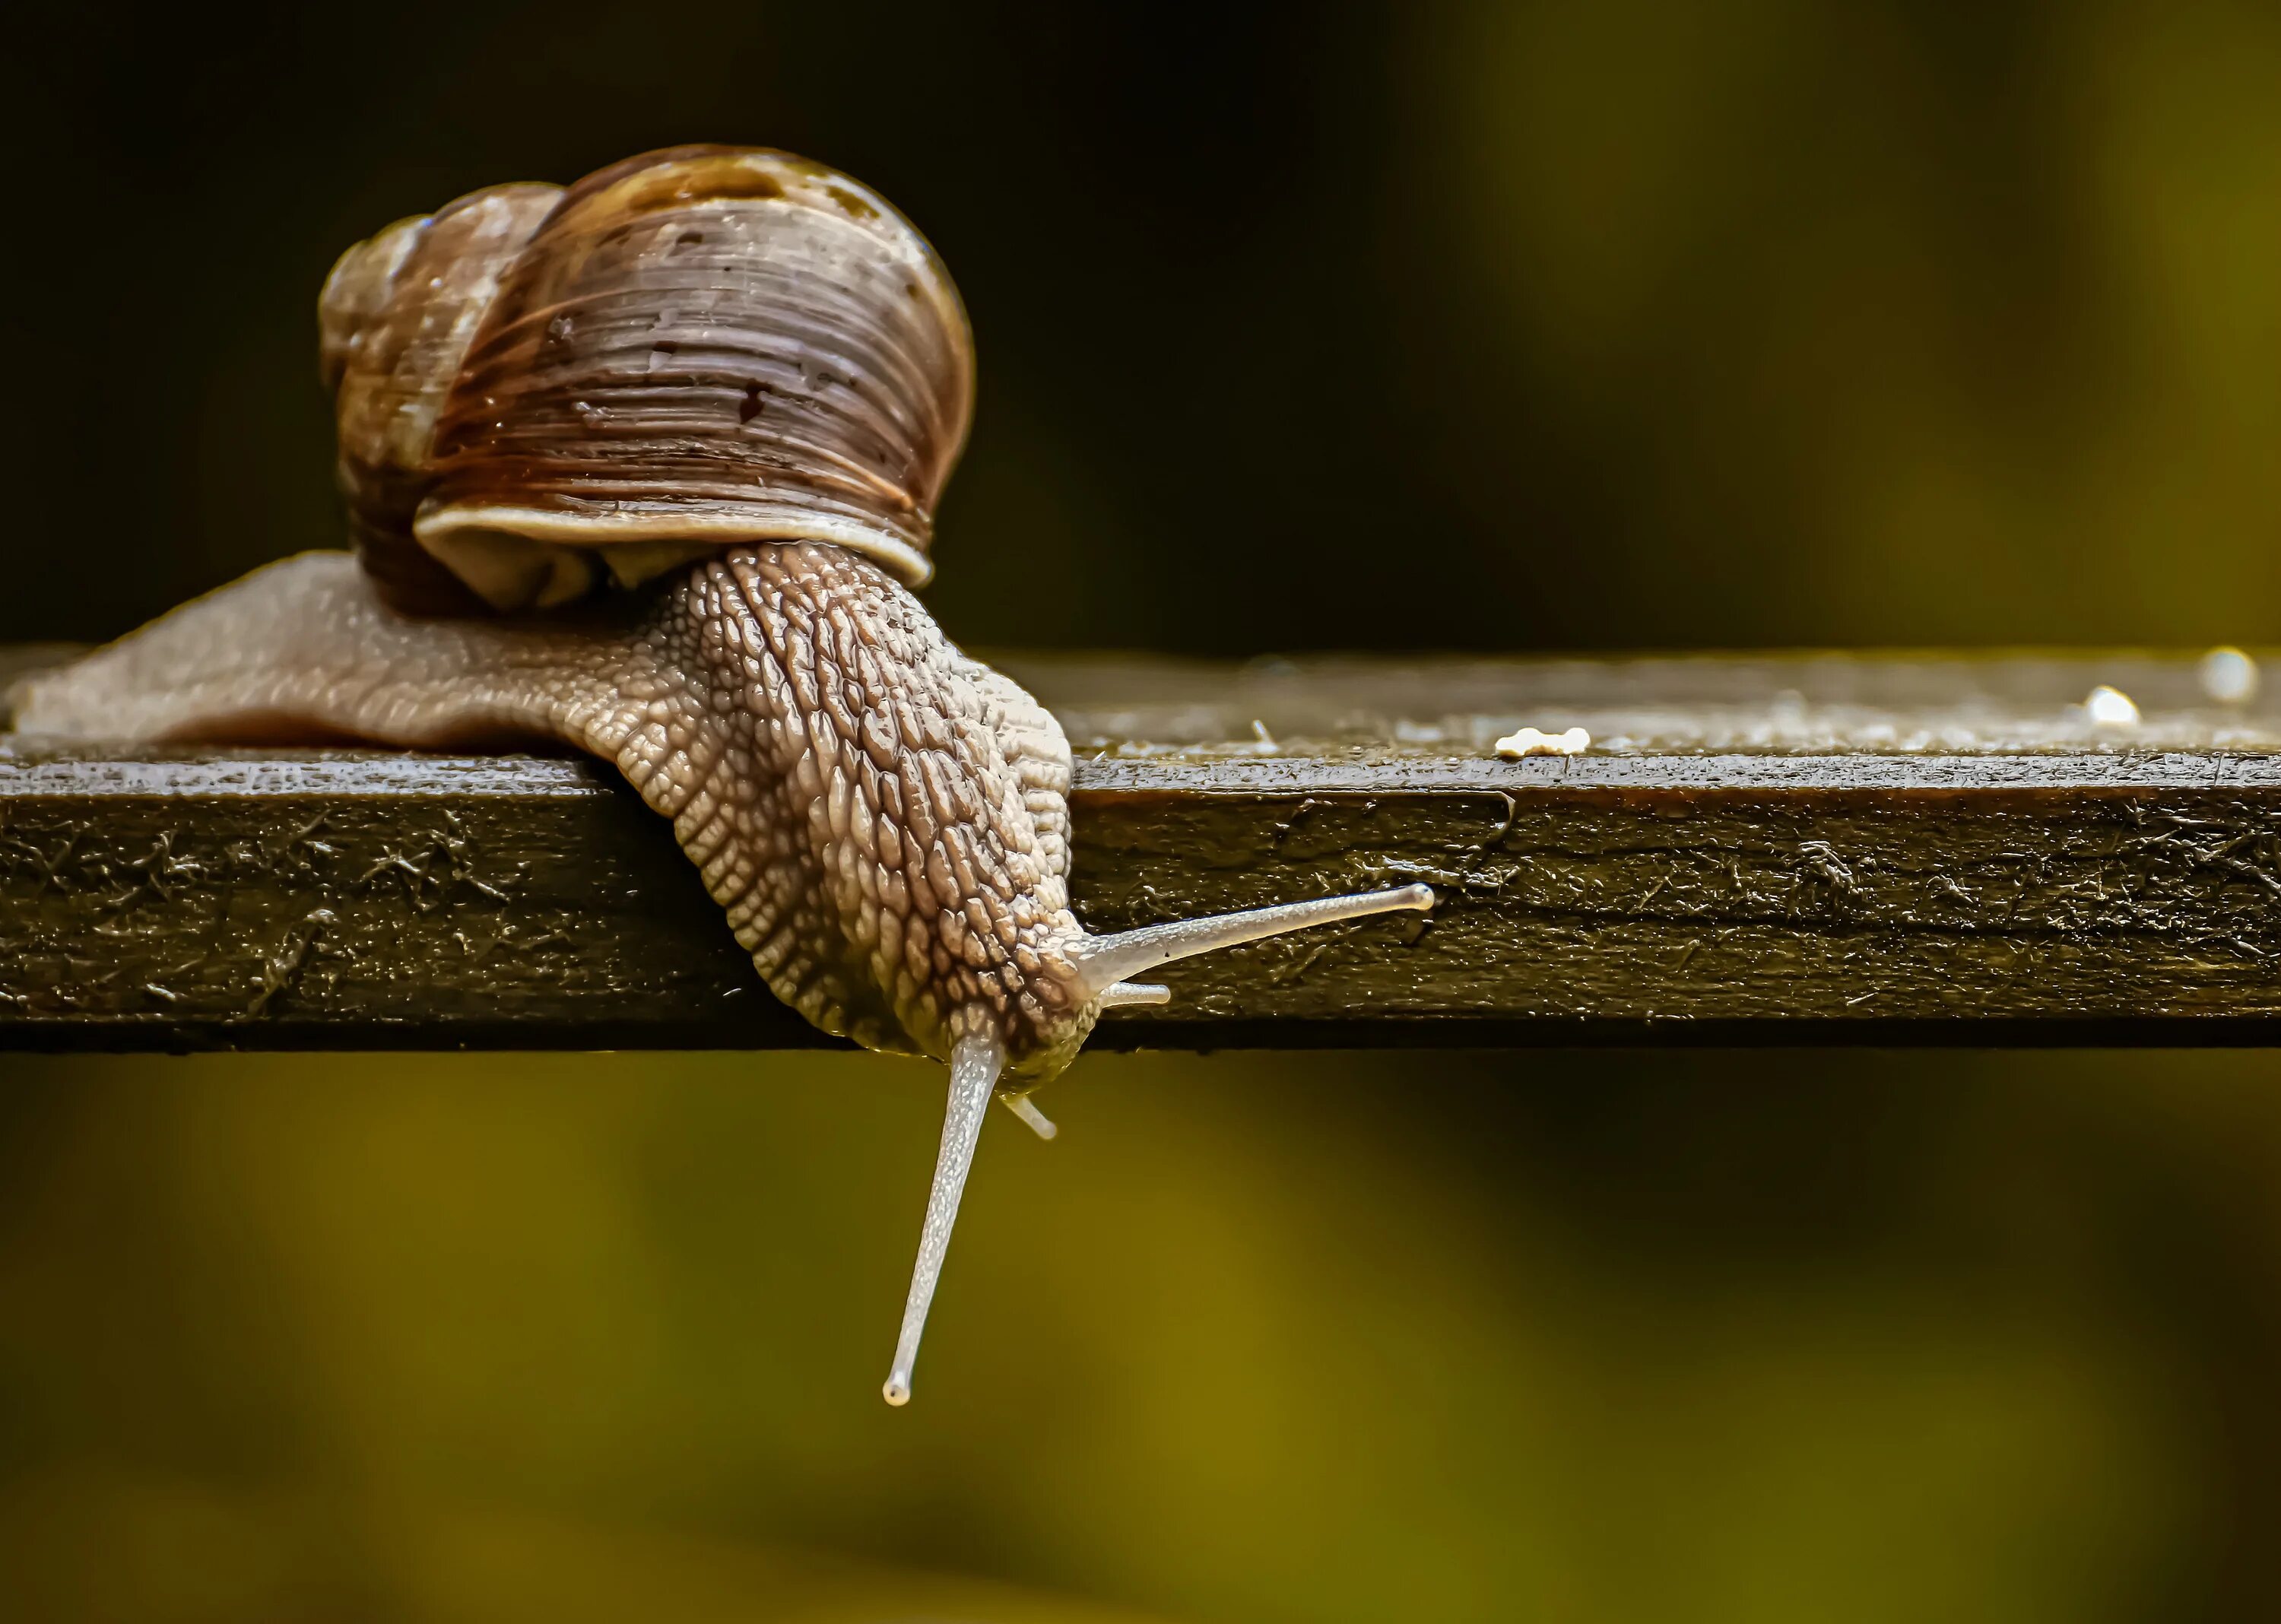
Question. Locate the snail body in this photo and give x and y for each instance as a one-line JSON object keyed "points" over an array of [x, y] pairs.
{"points": [[649, 465]]}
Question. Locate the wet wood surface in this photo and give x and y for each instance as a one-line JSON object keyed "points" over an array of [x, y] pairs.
{"points": [[1809, 848]]}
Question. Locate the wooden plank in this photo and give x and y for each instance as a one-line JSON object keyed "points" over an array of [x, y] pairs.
{"points": [[1802, 848]]}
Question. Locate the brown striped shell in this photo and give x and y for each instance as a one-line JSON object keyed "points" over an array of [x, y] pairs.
{"points": [[540, 391]]}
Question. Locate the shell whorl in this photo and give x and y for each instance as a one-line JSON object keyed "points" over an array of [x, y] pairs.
{"points": [[538, 388]]}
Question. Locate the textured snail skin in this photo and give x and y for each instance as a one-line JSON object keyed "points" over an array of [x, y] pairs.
{"points": [[883, 820]]}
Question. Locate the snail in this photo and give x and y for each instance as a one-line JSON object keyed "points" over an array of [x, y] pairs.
{"points": [[648, 465]]}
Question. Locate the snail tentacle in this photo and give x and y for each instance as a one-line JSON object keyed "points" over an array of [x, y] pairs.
{"points": [[976, 1061], [1029, 1115], [1105, 961]]}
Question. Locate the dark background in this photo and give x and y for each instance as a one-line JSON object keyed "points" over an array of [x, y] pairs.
{"points": [[1436, 326], [1440, 326]]}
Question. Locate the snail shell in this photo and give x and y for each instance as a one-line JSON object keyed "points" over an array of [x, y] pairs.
{"points": [[541, 389]]}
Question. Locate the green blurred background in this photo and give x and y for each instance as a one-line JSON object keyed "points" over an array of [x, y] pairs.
{"points": [[1302, 327]]}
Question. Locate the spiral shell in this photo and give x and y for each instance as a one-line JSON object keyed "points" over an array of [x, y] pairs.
{"points": [[541, 389]]}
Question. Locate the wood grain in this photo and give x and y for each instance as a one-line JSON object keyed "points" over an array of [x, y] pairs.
{"points": [[1917, 849]]}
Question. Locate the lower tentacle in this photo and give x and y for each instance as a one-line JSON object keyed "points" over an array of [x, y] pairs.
{"points": [[976, 1061]]}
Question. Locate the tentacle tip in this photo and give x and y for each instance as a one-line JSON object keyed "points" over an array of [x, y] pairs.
{"points": [[897, 1391], [1419, 897], [1032, 1117]]}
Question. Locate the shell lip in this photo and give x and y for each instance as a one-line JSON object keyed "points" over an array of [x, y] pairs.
{"points": [[489, 545]]}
